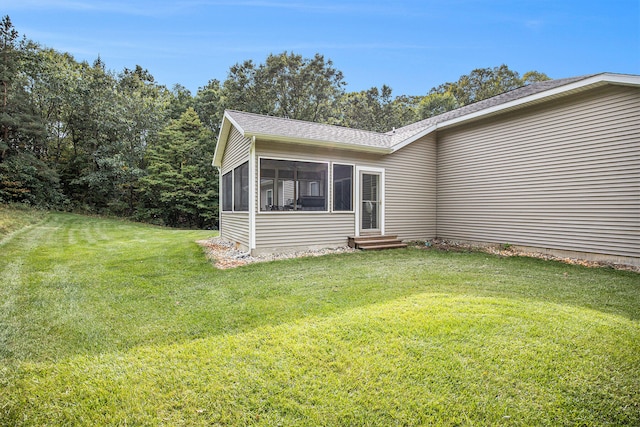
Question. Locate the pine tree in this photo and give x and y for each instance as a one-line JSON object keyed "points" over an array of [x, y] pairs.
{"points": [[25, 175], [180, 189]]}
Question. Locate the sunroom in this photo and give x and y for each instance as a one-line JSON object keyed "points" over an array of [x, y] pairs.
{"points": [[288, 185]]}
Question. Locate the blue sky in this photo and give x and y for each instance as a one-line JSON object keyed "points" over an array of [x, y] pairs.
{"points": [[411, 46]]}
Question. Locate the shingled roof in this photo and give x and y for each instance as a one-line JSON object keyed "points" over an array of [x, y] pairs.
{"points": [[403, 133], [279, 128], [297, 131]]}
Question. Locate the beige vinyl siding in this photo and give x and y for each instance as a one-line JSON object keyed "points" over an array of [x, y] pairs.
{"points": [[409, 203], [287, 231], [234, 226], [410, 190], [236, 151], [563, 175]]}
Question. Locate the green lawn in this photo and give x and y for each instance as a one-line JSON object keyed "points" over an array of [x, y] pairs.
{"points": [[107, 322], [15, 218]]}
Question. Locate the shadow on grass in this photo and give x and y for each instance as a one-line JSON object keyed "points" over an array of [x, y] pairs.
{"points": [[96, 286], [350, 280]]}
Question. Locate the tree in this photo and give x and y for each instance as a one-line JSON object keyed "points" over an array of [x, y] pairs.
{"points": [[480, 84], [180, 189], [375, 110], [179, 101], [286, 85], [368, 109], [533, 76], [405, 110], [26, 179], [144, 113], [91, 171], [25, 175], [8, 74], [435, 104], [209, 105]]}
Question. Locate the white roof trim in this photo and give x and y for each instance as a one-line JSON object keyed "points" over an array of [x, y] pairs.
{"points": [[234, 123], [414, 138], [227, 122], [580, 84], [319, 143], [598, 80]]}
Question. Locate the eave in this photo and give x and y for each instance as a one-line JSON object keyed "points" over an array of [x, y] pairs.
{"points": [[561, 91], [228, 122], [318, 143]]}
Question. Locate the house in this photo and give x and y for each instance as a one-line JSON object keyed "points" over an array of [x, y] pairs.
{"points": [[553, 166]]}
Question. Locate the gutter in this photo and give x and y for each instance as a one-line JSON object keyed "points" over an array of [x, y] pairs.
{"points": [[319, 143]]}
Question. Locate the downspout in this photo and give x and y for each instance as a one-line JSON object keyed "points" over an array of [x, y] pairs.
{"points": [[219, 200], [252, 195]]}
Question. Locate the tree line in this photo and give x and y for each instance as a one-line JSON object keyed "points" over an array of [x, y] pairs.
{"points": [[77, 136]]}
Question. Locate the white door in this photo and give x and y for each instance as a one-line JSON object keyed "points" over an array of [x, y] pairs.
{"points": [[370, 202]]}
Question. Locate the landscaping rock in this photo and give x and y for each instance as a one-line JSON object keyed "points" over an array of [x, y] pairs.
{"points": [[509, 250], [225, 255]]}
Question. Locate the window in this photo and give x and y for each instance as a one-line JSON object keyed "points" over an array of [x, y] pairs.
{"points": [[270, 197], [287, 185], [235, 189], [342, 187], [241, 188], [227, 191]]}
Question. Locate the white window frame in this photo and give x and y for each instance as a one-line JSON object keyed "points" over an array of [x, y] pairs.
{"points": [[357, 202], [353, 189], [294, 212], [233, 188], [223, 189]]}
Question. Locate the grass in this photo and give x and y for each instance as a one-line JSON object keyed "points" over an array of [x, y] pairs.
{"points": [[16, 217], [106, 322]]}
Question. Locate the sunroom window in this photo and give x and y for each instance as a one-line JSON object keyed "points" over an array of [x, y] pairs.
{"points": [[241, 188], [287, 185], [235, 189], [227, 191], [342, 187]]}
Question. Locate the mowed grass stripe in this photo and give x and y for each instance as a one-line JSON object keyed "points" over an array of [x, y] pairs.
{"points": [[83, 296], [15, 219], [129, 324], [422, 359]]}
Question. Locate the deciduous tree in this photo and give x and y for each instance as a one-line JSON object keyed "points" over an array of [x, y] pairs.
{"points": [[479, 84], [286, 85]]}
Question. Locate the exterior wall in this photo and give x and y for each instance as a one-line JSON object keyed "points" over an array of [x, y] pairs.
{"points": [[293, 231], [234, 226], [563, 175], [409, 204], [411, 190]]}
